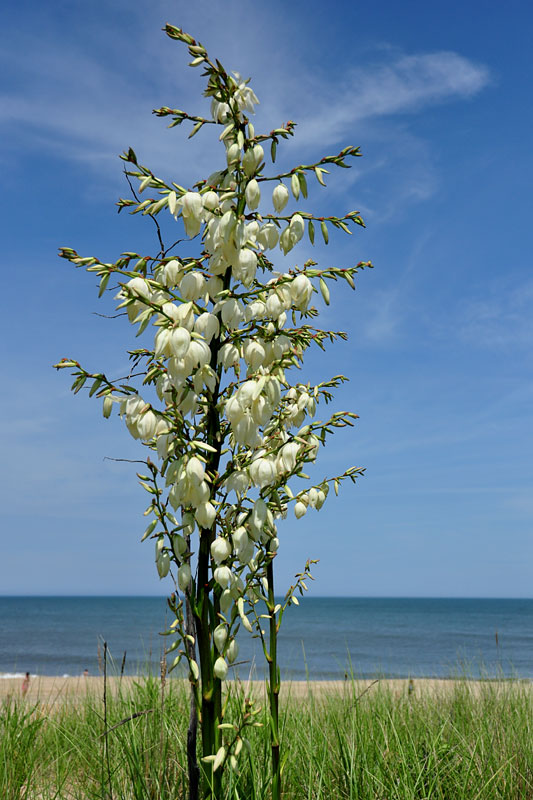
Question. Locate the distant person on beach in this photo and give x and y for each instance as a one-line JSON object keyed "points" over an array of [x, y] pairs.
{"points": [[85, 673], [25, 684]]}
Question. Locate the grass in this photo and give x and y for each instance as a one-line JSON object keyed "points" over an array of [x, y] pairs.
{"points": [[466, 741]]}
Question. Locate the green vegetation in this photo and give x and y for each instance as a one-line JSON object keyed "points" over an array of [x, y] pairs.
{"points": [[465, 740]]}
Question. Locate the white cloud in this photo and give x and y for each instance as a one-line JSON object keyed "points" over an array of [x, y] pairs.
{"points": [[501, 318]]}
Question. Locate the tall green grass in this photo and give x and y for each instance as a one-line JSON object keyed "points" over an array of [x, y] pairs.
{"points": [[465, 742]]}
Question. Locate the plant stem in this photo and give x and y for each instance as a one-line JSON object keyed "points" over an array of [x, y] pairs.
{"points": [[192, 731], [274, 686]]}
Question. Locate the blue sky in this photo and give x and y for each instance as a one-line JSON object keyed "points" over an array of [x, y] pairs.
{"points": [[439, 355]]}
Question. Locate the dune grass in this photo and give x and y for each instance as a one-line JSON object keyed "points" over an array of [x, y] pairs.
{"points": [[464, 741]]}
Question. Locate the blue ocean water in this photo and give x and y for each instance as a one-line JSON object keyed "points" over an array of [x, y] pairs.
{"points": [[323, 638]]}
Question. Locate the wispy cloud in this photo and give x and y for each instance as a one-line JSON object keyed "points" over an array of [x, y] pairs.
{"points": [[502, 317]]}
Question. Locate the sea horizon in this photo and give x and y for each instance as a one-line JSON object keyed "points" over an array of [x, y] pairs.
{"points": [[325, 638]]}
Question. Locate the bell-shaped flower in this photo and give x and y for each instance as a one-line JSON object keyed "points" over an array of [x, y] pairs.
{"points": [[226, 601], [220, 635], [299, 510], [210, 200], [252, 194], [138, 287], [320, 499], [195, 470], [192, 286], [262, 472], [192, 212], [220, 668], [288, 456], [254, 353], [296, 228], [246, 266], [207, 325], [179, 342], [146, 425], [237, 482], [214, 286], [252, 159], [171, 273], [280, 197], [179, 544], [268, 236], [232, 651], [220, 549], [228, 355], [286, 242], [199, 353], [184, 577], [222, 576], [205, 515], [274, 305], [233, 154], [220, 113], [232, 312]]}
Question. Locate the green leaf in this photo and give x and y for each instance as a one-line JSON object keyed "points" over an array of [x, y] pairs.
{"points": [[318, 173], [103, 284], [273, 149], [149, 530], [324, 229], [96, 385]]}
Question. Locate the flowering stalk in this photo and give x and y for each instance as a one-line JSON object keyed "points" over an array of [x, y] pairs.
{"points": [[210, 395]]}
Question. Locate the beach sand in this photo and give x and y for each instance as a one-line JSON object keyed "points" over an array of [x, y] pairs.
{"points": [[56, 690]]}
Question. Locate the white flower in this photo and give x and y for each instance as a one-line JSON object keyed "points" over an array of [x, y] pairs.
{"points": [[220, 635], [220, 549], [297, 228], [280, 197], [222, 576], [237, 482], [233, 651], [254, 353], [233, 154], [171, 273], [299, 510], [286, 242], [192, 286], [262, 471], [246, 266], [207, 325], [146, 425], [179, 342], [195, 470], [252, 194], [288, 456], [220, 668], [274, 305], [138, 288], [192, 212], [205, 515], [225, 601], [210, 200], [232, 312], [301, 290], [252, 159], [228, 355], [268, 236]]}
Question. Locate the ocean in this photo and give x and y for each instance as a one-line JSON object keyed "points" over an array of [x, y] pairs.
{"points": [[324, 638]]}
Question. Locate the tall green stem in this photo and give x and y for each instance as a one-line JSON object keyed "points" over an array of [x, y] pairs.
{"points": [[273, 686]]}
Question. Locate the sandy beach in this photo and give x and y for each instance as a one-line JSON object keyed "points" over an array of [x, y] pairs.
{"points": [[51, 690]]}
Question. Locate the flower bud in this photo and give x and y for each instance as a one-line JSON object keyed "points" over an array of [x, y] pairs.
{"points": [[280, 197], [299, 510], [146, 425], [225, 601], [210, 200], [220, 635], [220, 668], [233, 651], [296, 228], [233, 154], [184, 577]]}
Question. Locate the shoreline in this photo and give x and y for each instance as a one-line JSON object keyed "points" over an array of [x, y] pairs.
{"points": [[50, 689]]}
